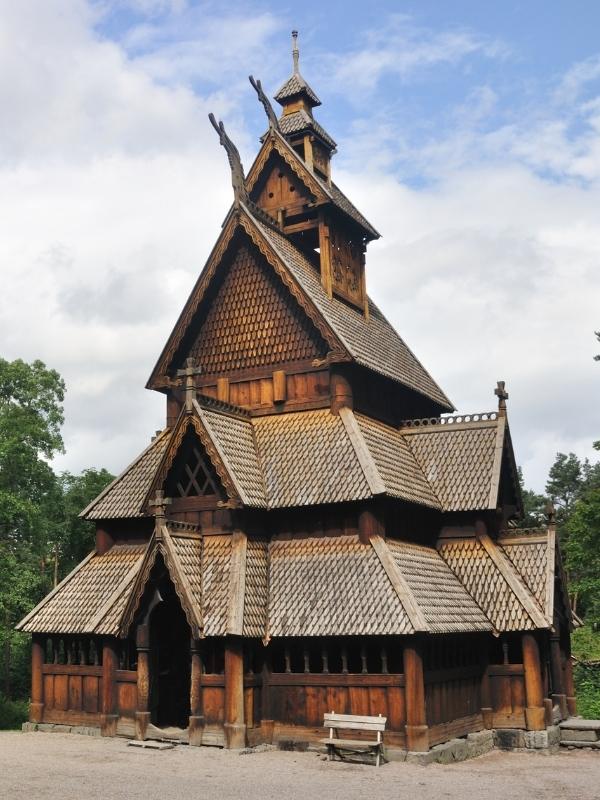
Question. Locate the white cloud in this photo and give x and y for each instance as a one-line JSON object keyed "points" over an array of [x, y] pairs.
{"points": [[402, 48], [113, 188]]}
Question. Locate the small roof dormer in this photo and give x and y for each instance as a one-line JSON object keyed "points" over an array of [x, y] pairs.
{"points": [[297, 122]]}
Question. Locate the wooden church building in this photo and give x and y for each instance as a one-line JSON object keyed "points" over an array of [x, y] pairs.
{"points": [[312, 530]]}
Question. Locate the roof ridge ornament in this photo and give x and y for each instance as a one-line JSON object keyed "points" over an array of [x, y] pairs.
{"points": [[272, 117], [295, 53], [502, 396], [235, 162], [189, 373]]}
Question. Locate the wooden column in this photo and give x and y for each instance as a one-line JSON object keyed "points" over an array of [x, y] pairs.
{"points": [[267, 723], [487, 711], [235, 729], [142, 715], [110, 711], [341, 392], [534, 693], [36, 709], [559, 696], [570, 686], [104, 541], [196, 728], [417, 731], [370, 523]]}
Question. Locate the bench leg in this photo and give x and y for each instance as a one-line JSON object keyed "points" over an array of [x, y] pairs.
{"points": [[330, 752], [378, 759]]}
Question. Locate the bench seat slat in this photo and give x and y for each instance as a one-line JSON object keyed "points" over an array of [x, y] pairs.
{"points": [[353, 744], [353, 718], [357, 726]]}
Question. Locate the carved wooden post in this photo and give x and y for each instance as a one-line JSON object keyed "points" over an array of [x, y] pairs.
{"points": [[341, 392], [417, 731], [267, 723], [570, 686], [110, 664], [196, 728], [235, 729], [142, 715], [36, 709], [558, 690], [487, 711], [534, 694]]}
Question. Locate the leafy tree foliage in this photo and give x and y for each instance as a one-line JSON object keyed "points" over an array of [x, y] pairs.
{"points": [[39, 527], [534, 506]]}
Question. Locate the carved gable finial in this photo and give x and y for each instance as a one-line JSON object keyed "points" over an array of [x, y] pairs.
{"points": [[550, 512], [189, 373], [235, 162], [159, 504], [502, 396], [272, 117], [295, 52]]}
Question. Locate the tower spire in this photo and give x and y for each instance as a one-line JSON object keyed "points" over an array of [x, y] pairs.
{"points": [[295, 52]]}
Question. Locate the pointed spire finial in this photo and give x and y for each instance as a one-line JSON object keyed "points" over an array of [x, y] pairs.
{"points": [[295, 52], [502, 396]]}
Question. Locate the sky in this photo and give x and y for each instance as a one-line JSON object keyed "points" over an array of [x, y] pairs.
{"points": [[468, 133]]}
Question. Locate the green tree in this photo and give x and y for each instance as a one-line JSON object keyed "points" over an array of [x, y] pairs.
{"points": [[75, 536], [565, 481], [31, 415], [582, 549], [534, 506]]}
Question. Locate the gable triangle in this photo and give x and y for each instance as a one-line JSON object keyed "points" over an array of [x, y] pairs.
{"points": [[249, 320]]}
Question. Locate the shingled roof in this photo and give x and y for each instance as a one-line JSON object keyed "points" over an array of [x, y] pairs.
{"points": [[373, 343], [294, 86], [91, 598], [491, 579], [301, 120], [315, 457], [124, 497], [304, 586]]}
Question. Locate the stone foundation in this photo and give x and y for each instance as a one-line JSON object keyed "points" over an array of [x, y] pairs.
{"points": [[48, 727], [546, 741]]}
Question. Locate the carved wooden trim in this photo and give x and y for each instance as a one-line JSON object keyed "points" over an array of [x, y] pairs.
{"points": [[181, 584], [237, 583], [276, 142]]}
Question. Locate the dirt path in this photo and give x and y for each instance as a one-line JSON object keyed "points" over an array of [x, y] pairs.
{"points": [[55, 766]]}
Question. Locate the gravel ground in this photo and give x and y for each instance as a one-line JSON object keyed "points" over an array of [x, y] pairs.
{"points": [[58, 766]]}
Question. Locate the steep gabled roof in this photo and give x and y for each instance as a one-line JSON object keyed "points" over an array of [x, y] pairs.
{"points": [[322, 191], [91, 598], [373, 343], [123, 497], [495, 584], [301, 120], [461, 457], [295, 86]]}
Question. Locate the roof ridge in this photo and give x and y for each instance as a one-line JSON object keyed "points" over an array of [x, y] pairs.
{"points": [[230, 409], [512, 577], [365, 457], [427, 423], [400, 584], [122, 474], [116, 594]]}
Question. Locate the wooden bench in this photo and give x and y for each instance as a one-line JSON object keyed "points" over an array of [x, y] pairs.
{"points": [[337, 722]]}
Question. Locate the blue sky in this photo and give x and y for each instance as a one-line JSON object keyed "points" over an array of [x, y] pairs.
{"points": [[468, 133]]}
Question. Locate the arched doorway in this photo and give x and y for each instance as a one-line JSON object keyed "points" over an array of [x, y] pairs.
{"points": [[170, 660]]}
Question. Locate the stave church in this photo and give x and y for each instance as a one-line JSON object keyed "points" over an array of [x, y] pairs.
{"points": [[313, 529]]}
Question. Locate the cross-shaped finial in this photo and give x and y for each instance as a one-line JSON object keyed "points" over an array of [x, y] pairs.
{"points": [[159, 504], [550, 512], [189, 373], [502, 396]]}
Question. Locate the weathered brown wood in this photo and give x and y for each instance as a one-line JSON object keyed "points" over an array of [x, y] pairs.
{"points": [[235, 728], [36, 708], [142, 714], [104, 540], [223, 389], [197, 722], [417, 731], [534, 712], [109, 705], [341, 392], [279, 386], [559, 696], [487, 710]]}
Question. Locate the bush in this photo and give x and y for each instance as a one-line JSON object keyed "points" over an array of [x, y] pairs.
{"points": [[587, 687], [13, 713]]}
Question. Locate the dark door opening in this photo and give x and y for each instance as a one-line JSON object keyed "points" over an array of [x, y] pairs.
{"points": [[170, 661]]}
